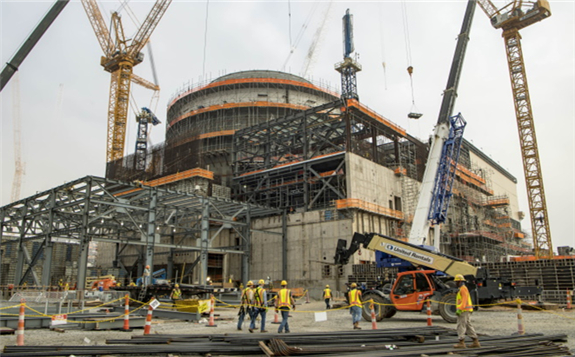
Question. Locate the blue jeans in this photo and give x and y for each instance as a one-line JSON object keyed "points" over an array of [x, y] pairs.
{"points": [[262, 313], [284, 323], [355, 312], [241, 319]]}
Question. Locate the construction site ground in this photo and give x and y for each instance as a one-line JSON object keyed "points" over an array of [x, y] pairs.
{"points": [[494, 321]]}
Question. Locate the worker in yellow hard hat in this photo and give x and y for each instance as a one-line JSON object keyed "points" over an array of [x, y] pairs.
{"points": [[284, 302], [355, 308], [246, 303], [464, 308], [327, 296], [260, 306], [176, 293]]}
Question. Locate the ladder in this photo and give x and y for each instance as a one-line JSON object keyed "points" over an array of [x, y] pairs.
{"points": [[143, 293]]}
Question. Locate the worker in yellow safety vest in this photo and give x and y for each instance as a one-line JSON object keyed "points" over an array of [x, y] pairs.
{"points": [[354, 297], [327, 296], [176, 293], [464, 309], [260, 307], [284, 302], [246, 304]]}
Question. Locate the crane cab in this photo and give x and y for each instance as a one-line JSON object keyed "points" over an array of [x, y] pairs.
{"points": [[518, 18]]}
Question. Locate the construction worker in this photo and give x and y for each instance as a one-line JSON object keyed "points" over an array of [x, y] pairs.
{"points": [[284, 301], [245, 304], [464, 310], [146, 276], [176, 293], [327, 296], [260, 306], [354, 296]]}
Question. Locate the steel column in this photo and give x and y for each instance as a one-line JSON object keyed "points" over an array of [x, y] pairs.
{"points": [[204, 239], [151, 231]]}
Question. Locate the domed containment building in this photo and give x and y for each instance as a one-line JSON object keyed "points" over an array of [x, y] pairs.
{"points": [[202, 121]]}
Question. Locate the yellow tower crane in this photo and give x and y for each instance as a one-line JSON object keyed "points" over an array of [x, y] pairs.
{"points": [[511, 18], [120, 56]]}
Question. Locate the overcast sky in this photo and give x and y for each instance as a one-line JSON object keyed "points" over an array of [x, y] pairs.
{"points": [[63, 96]]}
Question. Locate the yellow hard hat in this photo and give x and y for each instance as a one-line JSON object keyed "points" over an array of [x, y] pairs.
{"points": [[250, 283], [177, 285], [353, 285], [261, 282], [284, 282], [327, 286], [459, 277]]}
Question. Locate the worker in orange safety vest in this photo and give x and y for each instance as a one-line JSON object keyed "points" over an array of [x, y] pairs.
{"points": [[464, 309], [354, 296], [284, 302]]}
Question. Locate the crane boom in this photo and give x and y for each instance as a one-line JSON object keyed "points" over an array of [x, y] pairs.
{"points": [[119, 59], [421, 223], [511, 18], [14, 63]]}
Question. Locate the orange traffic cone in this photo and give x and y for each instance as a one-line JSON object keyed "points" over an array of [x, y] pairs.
{"points": [[373, 319], [211, 320]]}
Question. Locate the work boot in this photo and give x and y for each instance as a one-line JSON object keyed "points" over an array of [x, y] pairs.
{"points": [[356, 327], [461, 344], [475, 344]]}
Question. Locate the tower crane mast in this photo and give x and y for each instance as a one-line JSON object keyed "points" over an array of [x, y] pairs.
{"points": [[511, 18], [120, 56]]}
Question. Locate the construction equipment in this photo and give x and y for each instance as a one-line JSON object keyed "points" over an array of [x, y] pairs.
{"points": [[349, 66], [511, 18], [119, 59], [144, 118], [411, 288], [435, 192], [13, 65]]}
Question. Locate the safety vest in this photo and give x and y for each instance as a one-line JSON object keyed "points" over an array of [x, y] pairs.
{"points": [[176, 293], [464, 299], [247, 296], [284, 298], [327, 293], [354, 297], [259, 296]]}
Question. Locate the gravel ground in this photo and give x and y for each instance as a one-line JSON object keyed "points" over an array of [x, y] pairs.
{"points": [[493, 321]]}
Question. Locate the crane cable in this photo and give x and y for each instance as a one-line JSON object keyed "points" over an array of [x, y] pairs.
{"points": [[413, 112], [205, 41], [293, 46], [382, 46]]}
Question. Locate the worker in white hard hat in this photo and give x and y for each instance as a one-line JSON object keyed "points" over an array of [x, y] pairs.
{"points": [[146, 276], [260, 306], [284, 302], [327, 296], [176, 293], [464, 309], [246, 303], [355, 306]]}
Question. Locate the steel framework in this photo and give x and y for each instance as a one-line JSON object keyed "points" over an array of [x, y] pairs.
{"points": [[103, 210], [299, 160]]}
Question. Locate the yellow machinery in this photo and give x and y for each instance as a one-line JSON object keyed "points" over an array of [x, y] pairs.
{"points": [[119, 59], [511, 18]]}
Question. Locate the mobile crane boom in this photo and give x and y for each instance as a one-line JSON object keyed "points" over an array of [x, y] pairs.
{"points": [[421, 222], [511, 18]]}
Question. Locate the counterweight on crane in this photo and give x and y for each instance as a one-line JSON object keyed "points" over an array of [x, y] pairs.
{"points": [[120, 56], [511, 18]]}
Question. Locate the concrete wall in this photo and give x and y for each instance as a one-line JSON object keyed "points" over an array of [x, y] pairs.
{"points": [[500, 184], [371, 182]]}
